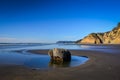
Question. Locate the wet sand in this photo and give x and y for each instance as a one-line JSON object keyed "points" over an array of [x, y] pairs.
{"points": [[100, 66]]}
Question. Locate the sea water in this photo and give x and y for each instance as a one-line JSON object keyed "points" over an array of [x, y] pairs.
{"points": [[10, 56]]}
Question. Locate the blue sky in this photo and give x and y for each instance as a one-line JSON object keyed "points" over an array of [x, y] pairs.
{"points": [[54, 20]]}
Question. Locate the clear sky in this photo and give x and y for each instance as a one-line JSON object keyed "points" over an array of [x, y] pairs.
{"points": [[54, 20]]}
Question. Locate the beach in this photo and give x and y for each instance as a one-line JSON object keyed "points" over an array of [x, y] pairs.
{"points": [[59, 39], [101, 65]]}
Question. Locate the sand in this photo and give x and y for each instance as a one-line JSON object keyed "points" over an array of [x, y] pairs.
{"points": [[100, 66]]}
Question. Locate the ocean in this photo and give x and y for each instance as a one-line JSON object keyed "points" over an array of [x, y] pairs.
{"points": [[17, 54], [10, 56]]}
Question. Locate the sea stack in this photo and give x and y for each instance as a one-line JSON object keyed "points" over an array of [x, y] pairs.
{"points": [[59, 55]]}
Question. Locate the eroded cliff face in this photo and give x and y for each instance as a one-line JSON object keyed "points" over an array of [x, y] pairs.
{"points": [[111, 37]]}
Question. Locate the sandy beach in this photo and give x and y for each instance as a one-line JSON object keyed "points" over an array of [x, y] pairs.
{"points": [[100, 66], [59, 39]]}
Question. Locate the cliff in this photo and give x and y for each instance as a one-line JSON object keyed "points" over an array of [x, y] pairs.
{"points": [[110, 37]]}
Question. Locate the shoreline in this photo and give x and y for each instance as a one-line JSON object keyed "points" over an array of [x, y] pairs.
{"points": [[100, 66]]}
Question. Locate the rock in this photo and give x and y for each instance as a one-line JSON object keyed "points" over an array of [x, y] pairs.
{"points": [[92, 38], [59, 55], [110, 37]]}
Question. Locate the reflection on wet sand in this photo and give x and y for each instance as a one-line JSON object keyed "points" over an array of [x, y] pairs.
{"points": [[55, 64]]}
